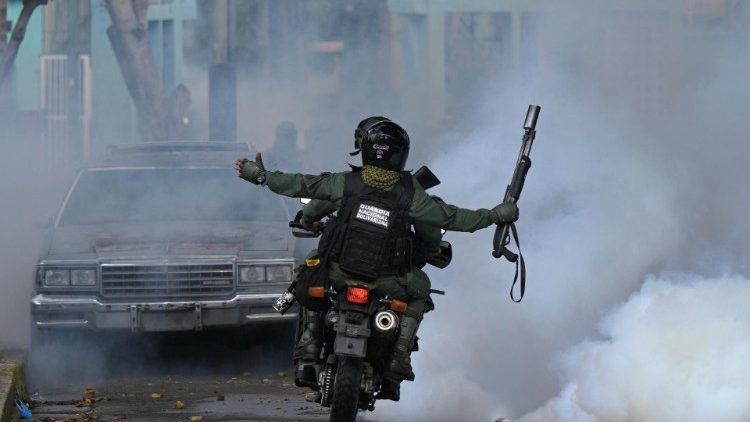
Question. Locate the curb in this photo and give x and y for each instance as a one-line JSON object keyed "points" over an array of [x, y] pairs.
{"points": [[12, 384]]}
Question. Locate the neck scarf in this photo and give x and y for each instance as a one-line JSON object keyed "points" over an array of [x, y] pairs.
{"points": [[379, 178]]}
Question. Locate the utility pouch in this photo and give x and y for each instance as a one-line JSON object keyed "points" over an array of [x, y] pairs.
{"points": [[362, 252], [332, 238], [401, 257], [313, 273]]}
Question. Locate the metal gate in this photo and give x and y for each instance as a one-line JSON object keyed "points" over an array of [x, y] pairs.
{"points": [[66, 106]]}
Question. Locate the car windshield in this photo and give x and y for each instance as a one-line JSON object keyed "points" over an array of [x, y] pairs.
{"points": [[168, 195]]}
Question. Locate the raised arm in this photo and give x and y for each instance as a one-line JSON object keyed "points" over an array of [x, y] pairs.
{"points": [[434, 211], [326, 186]]}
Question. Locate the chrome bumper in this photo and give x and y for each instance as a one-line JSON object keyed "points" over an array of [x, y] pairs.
{"points": [[54, 311]]}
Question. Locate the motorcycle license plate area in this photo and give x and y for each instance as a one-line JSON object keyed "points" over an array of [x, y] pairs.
{"points": [[350, 346], [352, 332]]}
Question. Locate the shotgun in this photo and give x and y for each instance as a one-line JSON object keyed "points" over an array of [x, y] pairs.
{"points": [[503, 232]]}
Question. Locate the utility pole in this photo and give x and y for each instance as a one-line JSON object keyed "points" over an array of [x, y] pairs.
{"points": [[222, 76], [74, 79]]}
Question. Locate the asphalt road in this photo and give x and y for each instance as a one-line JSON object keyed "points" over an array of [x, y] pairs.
{"points": [[226, 376]]}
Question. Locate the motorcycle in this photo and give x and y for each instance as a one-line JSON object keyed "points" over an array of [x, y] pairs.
{"points": [[360, 330]]}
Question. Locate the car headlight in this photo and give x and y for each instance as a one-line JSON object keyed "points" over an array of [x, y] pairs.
{"points": [[252, 274], [83, 277], [61, 277], [54, 278], [262, 273], [278, 273]]}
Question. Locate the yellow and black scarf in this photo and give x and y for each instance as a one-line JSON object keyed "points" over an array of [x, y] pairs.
{"points": [[378, 177]]}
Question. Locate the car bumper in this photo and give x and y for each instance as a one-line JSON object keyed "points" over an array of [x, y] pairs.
{"points": [[55, 312]]}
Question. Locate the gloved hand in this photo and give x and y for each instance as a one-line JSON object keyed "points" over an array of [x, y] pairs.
{"points": [[505, 213], [252, 171], [309, 226]]}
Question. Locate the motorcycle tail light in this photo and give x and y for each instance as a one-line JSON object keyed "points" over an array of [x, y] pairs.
{"points": [[398, 305], [318, 292], [357, 295]]}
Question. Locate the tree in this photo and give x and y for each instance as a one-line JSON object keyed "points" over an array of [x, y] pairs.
{"points": [[160, 117], [9, 48]]}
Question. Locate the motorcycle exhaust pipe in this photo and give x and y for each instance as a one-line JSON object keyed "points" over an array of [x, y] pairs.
{"points": [[386, 322]]}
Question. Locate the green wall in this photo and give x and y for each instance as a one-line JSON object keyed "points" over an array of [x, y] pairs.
{"points": [[26, 69]]}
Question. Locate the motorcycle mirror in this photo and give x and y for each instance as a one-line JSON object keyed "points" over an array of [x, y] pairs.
{"points": [[426, 178], [302, 233], [444, 258], [305, 201]]}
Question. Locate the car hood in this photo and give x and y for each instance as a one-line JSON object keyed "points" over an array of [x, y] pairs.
{"points": [[118, 240]]}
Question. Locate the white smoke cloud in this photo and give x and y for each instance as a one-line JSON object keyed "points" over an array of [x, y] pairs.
{"points": [[460, 399], [589, 237], [29, 193], [676, 350]]}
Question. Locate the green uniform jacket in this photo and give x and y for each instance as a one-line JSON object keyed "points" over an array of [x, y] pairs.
{"points": [[427, 237], [425, 210], [428, 213]]}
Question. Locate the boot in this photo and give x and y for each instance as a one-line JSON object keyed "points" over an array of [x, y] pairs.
{"points": [[310, 342], [399, 368], [389, 390]]}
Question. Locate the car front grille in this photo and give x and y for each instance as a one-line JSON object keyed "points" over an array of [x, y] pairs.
{"points": [[167, 280]]}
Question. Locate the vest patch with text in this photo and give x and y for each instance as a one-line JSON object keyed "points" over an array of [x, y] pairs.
{"points": [[373, 215], [370, 236]]}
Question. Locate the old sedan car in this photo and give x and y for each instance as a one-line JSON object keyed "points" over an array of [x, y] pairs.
{"points": [[164, 237]]}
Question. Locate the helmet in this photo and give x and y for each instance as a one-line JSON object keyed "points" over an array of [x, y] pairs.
{"points": [[361, 131], [385, 144]]}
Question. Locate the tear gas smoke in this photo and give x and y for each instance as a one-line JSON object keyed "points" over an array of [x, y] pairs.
{"points": [[27, 192], [676, 350], [585, 251], [637, 167], [17, 241]]}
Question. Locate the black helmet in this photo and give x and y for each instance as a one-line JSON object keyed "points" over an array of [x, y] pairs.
{"points": [[385, 144], [361, 131]]}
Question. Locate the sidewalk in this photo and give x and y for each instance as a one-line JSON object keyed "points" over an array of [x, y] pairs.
{"points": [[12, 384]]}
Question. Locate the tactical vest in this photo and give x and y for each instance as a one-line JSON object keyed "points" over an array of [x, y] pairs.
{"points": [[370, 236]]}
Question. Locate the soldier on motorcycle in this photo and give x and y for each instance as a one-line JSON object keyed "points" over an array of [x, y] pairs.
{"points": [[426, 245], [370, 239]]}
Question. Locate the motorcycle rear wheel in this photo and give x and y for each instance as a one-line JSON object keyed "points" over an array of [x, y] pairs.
{"points": [[346, 389]]}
